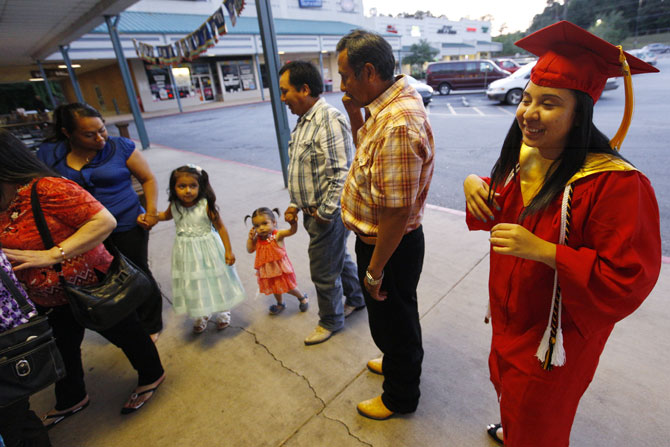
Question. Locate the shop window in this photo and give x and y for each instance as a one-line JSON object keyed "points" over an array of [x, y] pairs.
{"points": [[238, 75], [159, 83], [182, 80]]}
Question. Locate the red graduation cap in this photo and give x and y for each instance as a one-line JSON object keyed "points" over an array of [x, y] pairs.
{"points": [[571, 57]]}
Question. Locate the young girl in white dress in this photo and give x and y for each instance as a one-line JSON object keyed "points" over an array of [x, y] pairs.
{"points": [[204, 281]]}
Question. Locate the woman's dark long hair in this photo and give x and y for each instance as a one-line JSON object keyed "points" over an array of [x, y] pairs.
{"points": [[204, 188], [584, 138], [19, 165], [65, 117]]}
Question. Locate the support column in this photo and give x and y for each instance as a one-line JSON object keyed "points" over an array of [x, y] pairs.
{"points": [[73, 77], [260, 76], [323, 80], [271, 53], [47, 85], [127, 80], [174, 89]]}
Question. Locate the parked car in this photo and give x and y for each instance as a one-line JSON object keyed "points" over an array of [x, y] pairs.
{"points": [[510, 89], [463, 75], [657, 48], [426, 91], [645, 55], [507, 64]]}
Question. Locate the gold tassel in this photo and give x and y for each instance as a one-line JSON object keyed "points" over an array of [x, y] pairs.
{"points": [[617, 140]]}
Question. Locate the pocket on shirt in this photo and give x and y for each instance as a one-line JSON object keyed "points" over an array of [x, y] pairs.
{"points": [[361, 169]]}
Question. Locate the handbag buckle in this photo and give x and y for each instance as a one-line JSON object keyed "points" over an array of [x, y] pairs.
{"points": [[22, 368]]}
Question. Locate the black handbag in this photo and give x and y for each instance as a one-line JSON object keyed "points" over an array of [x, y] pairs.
{"points": [[29, 358], [104, 304]]}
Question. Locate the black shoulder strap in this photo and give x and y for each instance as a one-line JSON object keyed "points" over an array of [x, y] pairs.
{"points": [[41, 222], [16, 293]]}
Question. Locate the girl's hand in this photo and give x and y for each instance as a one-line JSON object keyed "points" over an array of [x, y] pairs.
{"points": [[515, 240], [291, 214], [230, 257], [24, 259], [476, 195], [147, 221], [252, 234]]}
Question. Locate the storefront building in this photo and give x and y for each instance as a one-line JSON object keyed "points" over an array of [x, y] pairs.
{"points": [[234, 70]]}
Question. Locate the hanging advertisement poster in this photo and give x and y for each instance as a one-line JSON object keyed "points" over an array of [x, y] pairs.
{"points": [[247, 76]]}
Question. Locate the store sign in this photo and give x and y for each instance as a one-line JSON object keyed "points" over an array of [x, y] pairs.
{"points": [[446, 29], [310, 3], [391, 29], [471, 30]]}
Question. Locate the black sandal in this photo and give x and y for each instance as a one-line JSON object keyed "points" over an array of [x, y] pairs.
{"points": [[57, 418], [134, 396], [492, 430]]}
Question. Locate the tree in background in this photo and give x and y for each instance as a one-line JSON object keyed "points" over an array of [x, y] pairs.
{"points": [[653, 15], [613, 28], [509, 49], [420, 53]]}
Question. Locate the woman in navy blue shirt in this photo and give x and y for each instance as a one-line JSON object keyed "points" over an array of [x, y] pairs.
{"points": [[80, 150]]}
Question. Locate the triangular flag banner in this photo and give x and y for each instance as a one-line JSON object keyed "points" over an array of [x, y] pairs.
{"points": [[190, 47], [230, 6], [217, 24]]}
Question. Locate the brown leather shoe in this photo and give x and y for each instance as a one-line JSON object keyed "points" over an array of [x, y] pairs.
{"points": [[375, 365], [374, 409]]}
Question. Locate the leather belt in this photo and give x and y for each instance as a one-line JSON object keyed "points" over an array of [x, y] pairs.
{"points": [[370, 240]]}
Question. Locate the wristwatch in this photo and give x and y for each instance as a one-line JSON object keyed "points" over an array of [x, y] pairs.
{"points": [[370, 280]]}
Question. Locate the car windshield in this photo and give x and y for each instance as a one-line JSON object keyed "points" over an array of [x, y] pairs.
{"points": [[523, 71]]}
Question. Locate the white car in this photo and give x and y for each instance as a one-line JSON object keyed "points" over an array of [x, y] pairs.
{"points": [[510, 89], [645, 55], [425, 90]]}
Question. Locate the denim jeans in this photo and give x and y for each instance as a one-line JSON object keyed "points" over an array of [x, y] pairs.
{"points": [[333, 272]]}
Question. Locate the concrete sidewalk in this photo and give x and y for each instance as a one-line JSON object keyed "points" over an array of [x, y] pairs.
{"points": [[257, 384]]}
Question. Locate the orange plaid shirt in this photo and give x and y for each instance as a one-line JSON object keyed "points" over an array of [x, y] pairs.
{"points": [[393, 165]]}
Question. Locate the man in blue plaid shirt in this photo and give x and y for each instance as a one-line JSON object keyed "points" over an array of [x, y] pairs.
{"points": [[320, 153]]}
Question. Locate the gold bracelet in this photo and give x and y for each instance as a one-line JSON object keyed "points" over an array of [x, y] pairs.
{"points": [[62, 252]]}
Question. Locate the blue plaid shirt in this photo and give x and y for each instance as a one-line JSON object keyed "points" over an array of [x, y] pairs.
{"points": [[320, 153]]}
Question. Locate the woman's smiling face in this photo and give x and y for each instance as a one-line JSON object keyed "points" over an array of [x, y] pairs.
{"points": [[545, 116]]}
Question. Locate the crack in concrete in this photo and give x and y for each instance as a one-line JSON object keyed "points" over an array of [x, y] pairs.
{"points": [[309, 384]]}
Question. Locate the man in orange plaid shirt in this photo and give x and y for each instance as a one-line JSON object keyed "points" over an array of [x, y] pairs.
{"points": [[383, 202]]}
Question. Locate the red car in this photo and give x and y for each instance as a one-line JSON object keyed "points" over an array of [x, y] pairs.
{"points": [[507, 64]]}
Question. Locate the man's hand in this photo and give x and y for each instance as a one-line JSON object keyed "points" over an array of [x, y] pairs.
{"points": [[350, 104], [318, 219], [291, 214]]}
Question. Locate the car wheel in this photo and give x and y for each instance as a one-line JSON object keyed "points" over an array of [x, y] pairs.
{"points": [[444, 89], [513, 97]]}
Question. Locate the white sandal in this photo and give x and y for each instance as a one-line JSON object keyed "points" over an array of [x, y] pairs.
{"points": [[200, 325]]}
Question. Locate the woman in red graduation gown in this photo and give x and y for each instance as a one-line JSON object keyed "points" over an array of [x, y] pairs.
{"points": [[556, 294]]}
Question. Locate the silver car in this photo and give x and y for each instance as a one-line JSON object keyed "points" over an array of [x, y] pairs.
{"points": [[425, 90]]}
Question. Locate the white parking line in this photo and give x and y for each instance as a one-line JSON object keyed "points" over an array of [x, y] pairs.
{"points": [[451, 109], [502, 109], [478, 111]]}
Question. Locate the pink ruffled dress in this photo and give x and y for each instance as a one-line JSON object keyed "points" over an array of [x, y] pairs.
{"points": [[273, 268]]}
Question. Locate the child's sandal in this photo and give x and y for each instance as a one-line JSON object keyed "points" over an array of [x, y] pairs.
{"points": [[200, 325], [304, 303], [276, 309]]}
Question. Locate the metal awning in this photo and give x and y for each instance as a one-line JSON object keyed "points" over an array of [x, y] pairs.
{"points": [[34, 29]]}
